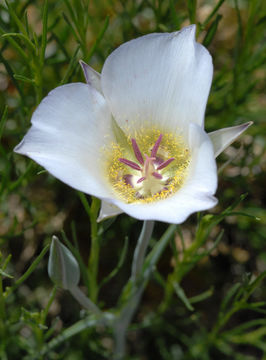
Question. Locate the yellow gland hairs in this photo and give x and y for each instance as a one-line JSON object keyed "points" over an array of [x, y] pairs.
{"points": [[152, 188]]}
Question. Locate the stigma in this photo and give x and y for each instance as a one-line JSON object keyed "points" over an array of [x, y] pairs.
{"points": [[153, 167]]}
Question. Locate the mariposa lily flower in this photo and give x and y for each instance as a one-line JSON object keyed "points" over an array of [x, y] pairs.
{"points": [[134, 135]]}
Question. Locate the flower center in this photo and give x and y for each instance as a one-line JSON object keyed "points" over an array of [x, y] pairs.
{"points": [[151, 166]]}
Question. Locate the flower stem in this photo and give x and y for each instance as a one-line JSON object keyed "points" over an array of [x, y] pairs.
{"points": [[125, 316], [141, 248], [94, 251], [122, 324], [84, 301]]}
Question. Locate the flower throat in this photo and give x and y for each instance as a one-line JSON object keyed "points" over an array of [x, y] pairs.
{"points": [[147, 167]]}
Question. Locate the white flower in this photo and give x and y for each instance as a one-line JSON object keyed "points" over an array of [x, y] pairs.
{"points": [[134, 135]]}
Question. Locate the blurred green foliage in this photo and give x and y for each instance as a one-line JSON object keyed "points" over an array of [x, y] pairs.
{"points": [[206, 297]]}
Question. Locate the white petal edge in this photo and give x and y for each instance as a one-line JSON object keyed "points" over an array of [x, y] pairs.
{"points": [[108, 210], [222, 138], [195, 195], [68, 131], [160, 79], [92, 77]]}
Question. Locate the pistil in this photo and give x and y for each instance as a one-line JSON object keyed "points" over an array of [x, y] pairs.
{"points": [[148, 168]]}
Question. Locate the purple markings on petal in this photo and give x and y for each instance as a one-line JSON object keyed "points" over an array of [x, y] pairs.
{"points": [[157, 175], [137, 151], [165, 163], [132, 164], [141, 179], [156, 146]]}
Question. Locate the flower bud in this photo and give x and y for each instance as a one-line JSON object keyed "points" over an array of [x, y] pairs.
{"points": [[63, 268]]}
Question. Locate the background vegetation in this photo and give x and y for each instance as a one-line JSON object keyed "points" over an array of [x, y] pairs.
{"points": [[206, 296]]}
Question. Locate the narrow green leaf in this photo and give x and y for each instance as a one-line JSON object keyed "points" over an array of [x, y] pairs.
{"points": [[6, 262], [71, 27], [85, 202], [174, 16], [30, 270], [182, 296], [66, 334], [98, 39], [16, 19], [214, 11], [203, 296], [230, 294], [192, 6], [73, 15], [61, 46], [155, 254], [3, 121], [44, 31], [4, 274], [246, 325], [27, 28], [254, 284], [36, 42], [120, 263], [71, 67], [17, 47], [28, 42], [24, 78], [13, 185], [212, 31]]}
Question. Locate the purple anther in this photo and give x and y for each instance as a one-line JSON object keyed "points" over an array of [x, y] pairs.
{"points": [[141, 179], [157, 175], [130, 163], [128, 179], [165, 163], [156, 146], [137, 151]]}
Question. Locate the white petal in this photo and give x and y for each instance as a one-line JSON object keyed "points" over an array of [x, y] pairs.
{"points": [[224, 137], [68, 131], [108, 210], [159, 78], [195, 195], [92, 77]]}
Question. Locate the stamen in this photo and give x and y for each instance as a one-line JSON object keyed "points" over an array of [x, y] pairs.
{"points": [[132, 164], [156, 146], [137, 151], [146, 177], [157, 175], [165, 163], [141, 179]]}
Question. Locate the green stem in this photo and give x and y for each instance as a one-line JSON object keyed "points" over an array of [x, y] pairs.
{"points": [[126, 315], [141, 248], [38, 81], [84, 301], [123, 322], [47, 307], [39, 330], [93, 263], [2, 310]]}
